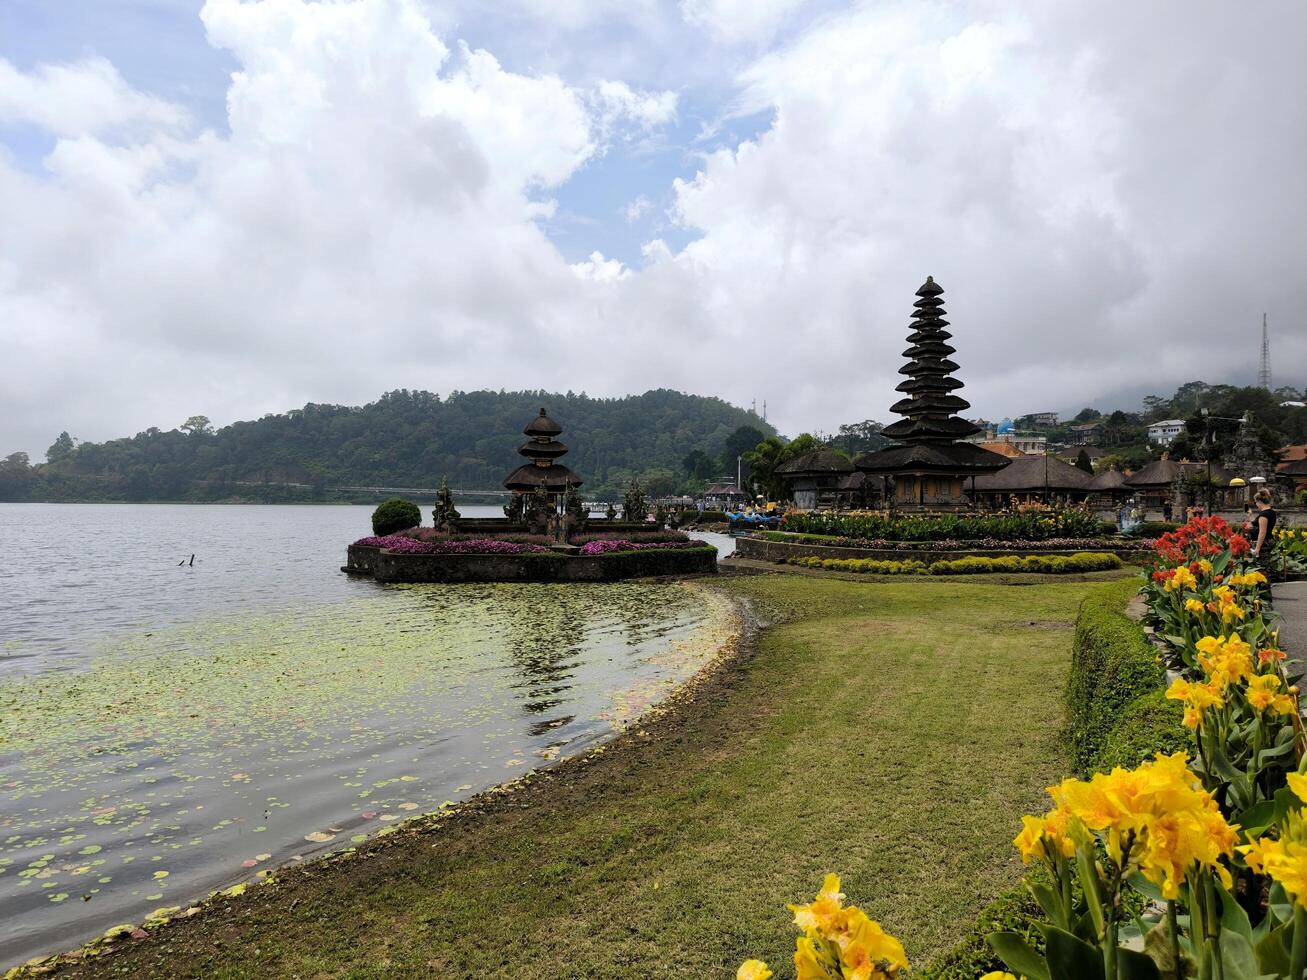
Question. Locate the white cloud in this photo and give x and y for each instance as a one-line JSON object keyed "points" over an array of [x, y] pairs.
{"points": [[599, 269], [618, 103], [1104, 213], [84, 97], [737, 21], [637, 208]]}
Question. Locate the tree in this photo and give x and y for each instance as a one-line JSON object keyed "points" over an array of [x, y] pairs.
{"points": [[741, 441], [1086, 415], [860, 437], [1083, 463], [61, 449], [15, 462], [197, 425], [698, 465]]}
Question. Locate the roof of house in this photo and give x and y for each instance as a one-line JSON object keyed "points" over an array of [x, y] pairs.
{"points": [[1085, 426], [1108, 480], [1154, 425], [722, 490], [1164, 472], [1002, 448], [818, 462], [1034, 473], [959, 458]]}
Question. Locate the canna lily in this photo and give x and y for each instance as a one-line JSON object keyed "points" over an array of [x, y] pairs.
{"points": [[820, 914], [753, 970]]}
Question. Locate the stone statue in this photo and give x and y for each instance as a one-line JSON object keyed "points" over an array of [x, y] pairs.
{"points": [[538, 511], [575, 506], [611, 512], [633, 503], [445, 515], [513, 510]]}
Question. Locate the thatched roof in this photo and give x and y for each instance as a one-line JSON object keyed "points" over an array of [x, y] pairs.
{"points": [[1164, 472], [1032, 473], [1107, 481], [960, 458], [819, 462]]}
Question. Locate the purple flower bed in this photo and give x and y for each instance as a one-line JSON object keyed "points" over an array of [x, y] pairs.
{"points": [[433, 534], [403, 545], [609, 545]]}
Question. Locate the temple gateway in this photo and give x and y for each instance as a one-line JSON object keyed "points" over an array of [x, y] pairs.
{"points": [[930, 468]]}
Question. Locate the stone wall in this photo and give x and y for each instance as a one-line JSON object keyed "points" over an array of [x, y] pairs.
{"points": [[386, 566], [760, 549]]}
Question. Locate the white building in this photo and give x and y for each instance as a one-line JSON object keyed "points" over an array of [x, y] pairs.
{"points": [[1163, 432]]}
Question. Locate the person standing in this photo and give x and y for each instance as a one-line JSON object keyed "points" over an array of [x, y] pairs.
{"points": [[1262, 534]]}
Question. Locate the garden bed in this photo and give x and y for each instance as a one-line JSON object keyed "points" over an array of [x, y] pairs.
{"points": [[631, 561], [776, 547]]}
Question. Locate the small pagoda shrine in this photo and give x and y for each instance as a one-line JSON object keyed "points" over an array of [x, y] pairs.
{"points": [[930, 466], [539, 483]]}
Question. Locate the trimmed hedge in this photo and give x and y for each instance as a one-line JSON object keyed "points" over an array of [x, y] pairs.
{"points": [[1112, 665], [1149, 724], [395, 514], [1083, 561]]}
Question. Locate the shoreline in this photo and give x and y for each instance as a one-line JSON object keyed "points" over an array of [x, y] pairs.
{"points": [[658, 722]]}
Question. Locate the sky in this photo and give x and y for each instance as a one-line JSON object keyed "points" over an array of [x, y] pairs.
{"points": [[235, 207]]}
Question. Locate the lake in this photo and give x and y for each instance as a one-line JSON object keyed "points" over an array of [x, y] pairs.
{"points": [[168, 729]]}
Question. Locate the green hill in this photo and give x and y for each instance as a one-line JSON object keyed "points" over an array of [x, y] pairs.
{"points": [[404, 439]]}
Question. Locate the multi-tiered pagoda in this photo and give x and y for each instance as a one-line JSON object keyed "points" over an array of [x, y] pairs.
{"points": [[931, 466], [543, 451]]}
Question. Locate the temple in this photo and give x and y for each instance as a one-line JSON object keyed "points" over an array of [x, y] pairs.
{"points": [[930, 467], [542, 451]]}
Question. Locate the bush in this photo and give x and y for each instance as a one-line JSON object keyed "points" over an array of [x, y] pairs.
{"points": [[1112, 665], [1027, 526], [1013, 911], [1042, 564], [1081, 561], [394, 515], [1150, 724]]}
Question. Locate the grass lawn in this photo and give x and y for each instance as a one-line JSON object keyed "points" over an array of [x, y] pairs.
{"points": [[893, 732]]}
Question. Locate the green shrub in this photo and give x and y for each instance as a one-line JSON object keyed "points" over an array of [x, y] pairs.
{"points": [[1112, 665], [394, 515], [1009, 526], [1013, 911], [1149, 724], [1081, 561]]}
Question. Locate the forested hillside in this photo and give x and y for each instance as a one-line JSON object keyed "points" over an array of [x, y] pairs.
{"points": [[404, 439]]}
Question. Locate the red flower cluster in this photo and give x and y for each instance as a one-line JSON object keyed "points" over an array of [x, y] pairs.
{"points": [[1202, 537]]}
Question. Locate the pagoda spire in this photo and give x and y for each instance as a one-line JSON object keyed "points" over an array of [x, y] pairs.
{"points": [[543, 453], [931, 463]]}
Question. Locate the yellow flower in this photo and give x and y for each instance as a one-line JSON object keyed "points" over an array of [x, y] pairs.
{"points": [[1180, 578], [870, 952], [1194, 606], [1197, 699], [1262, 694], [1284, 861], [1225, 659], [752, 970], [1205, 565], [1156, 818], [1043, 837], [1297, 785], [821, 913], [998, 975]]}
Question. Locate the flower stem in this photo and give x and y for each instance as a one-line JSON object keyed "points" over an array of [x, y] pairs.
{"points": [[1298, 959], [1174, 929]]}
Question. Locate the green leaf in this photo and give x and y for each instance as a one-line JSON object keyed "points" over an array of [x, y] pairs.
{"points": [[1257, 818], [1133, 965], [1234, 920], [1068, 956], [1272, 951], [1018, 955], [1237, 959]]}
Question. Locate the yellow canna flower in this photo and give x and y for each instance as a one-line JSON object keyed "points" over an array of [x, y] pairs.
{"points": [[1194, 606], [1205, 565], [871, 953], [809, 964], [998, 975], [820, 913], [1284, 861], [752, 970], [1297, 785]]}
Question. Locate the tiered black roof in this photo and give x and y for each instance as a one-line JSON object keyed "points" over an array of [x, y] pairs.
{"points": [[543, 451], [931, 428]]}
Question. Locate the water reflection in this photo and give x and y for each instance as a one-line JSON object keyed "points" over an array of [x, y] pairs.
{"points": [[215, 749]]}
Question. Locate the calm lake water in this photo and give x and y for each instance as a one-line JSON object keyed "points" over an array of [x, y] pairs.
{"points": [[167, 730]]}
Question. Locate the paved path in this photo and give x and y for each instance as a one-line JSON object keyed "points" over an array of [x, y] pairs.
{"points": [[1291, 604]]}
